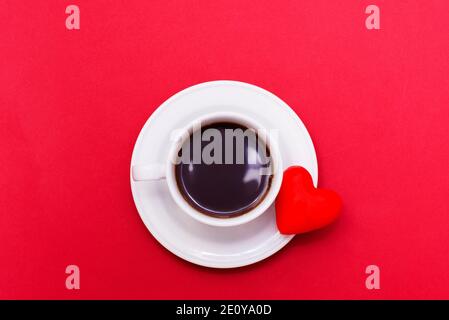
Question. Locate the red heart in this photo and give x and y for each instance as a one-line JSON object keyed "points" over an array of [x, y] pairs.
{"points": [[300, 207]]}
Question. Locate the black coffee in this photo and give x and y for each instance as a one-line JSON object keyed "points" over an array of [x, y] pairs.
{"points": [[229, 176]]}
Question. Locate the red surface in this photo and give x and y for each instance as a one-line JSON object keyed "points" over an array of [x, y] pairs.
{"points": [[72, 103]]}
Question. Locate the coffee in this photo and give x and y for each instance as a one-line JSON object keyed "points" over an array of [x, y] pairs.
{"points": [[226, 172]]}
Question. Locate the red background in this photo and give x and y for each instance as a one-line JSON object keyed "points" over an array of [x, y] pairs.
{"points": [[73, 102]]}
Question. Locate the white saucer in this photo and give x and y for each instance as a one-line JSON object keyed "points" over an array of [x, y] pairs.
{"points": [[217, 247]]}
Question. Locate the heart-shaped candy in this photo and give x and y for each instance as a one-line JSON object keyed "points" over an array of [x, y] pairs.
{"points": [[300, 207]]}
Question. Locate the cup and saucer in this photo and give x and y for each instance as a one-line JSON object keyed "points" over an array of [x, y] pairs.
{"points": [[206, 214]]}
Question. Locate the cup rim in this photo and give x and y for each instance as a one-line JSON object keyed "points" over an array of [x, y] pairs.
{"points": [[252, 214]]}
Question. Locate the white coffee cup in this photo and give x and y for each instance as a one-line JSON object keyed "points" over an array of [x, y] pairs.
{"points": [[158, 171]]}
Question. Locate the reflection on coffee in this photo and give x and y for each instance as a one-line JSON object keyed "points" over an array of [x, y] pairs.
{"points": [[226, 172]]}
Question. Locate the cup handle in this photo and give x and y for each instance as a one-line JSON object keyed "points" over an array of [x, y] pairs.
{"points": [[148, 172]]}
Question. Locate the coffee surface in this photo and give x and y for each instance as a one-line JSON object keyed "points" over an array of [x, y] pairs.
{"points": [[221, 188]]}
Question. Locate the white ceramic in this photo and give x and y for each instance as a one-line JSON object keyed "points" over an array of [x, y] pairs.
{"points": [[157, 171], [185, 236]]}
